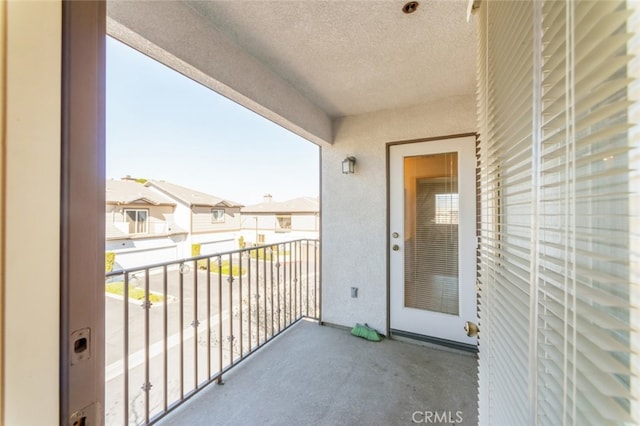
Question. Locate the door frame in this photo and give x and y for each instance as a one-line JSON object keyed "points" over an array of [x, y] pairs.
{"points": [[81, 209], [391, 332]]}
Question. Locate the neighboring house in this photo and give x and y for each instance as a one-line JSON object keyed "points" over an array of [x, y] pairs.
{"points": [[156, 221], [139, 224], [210, 221], [274, 221]]}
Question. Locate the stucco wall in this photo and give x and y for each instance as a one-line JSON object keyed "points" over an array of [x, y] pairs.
{"points": [[354, 207], [31, 267], [304, 222]]}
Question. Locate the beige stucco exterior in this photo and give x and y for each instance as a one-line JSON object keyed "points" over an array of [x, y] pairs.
{"points": [[361, 197]]}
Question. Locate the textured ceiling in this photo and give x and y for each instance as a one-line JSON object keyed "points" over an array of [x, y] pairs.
{"points": [[353, 57]]}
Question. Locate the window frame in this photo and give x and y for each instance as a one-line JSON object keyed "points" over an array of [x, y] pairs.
{"points": [[279, 227], [221, 219], [136, 222], [448, 214]]}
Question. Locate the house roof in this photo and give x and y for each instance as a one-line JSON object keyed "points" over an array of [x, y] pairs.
{"points": [[190, 197], [296, 205], [132, 192]]}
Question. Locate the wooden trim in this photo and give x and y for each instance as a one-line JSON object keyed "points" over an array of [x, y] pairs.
{"points": [[319, 226], [435, 138], [388, 237], [82, 239], [3, 193]]}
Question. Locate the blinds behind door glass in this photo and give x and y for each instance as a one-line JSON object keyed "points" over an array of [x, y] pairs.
{"points": [[431, 222], [559, 290]]}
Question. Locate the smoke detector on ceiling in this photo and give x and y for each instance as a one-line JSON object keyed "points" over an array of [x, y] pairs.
{"points": [[410, 7]]}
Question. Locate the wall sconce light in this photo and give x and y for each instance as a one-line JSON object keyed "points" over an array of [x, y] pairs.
{"points": [[349, 165]]}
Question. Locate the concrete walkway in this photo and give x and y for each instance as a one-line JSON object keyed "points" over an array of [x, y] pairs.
{"points": [[320, 375]]}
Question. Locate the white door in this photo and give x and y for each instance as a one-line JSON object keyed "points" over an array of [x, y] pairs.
{"points": [[433, 238]]}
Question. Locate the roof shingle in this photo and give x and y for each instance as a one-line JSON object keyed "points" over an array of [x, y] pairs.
{"points": [[296, 205], [189, 196], [130, 192]]}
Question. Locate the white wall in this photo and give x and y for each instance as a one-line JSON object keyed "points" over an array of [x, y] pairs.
{"points": [[146, 251], [304, 222], [354, 207], [219, 244], [31, 264]]}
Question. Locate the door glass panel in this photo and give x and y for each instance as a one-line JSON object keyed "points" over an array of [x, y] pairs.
{"points": [[431, 232]]}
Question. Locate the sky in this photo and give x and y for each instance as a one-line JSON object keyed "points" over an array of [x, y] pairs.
{"points": [[162, 125]]}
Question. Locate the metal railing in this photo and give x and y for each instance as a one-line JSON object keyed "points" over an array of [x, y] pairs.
{"points": [[179, 326]]}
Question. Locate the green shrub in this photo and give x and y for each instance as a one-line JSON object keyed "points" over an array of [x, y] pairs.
{"points": [[109, 261], [241, 242], [195, 250], [264, 254], [202, 264]]}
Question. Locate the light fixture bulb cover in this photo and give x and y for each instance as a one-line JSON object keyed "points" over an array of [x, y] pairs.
{"points": [[349, 165]]}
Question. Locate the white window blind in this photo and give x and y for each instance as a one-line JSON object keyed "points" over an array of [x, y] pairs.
{"points": [[431, 225], [506, 198], [558, 278]]}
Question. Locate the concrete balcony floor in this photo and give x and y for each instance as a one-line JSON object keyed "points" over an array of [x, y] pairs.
{"points": [[321, 375]]}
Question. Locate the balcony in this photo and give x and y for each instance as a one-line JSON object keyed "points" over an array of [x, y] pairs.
{"points": [[190, 325], [321, 375]]}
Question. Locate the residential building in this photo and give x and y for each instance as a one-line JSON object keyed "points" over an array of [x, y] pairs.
{"points": [[276, 221], [545, 92], [150, 222], [211, 222], [140, 226]]}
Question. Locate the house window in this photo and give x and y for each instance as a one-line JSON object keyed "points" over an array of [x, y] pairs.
{"points": [[283, 223], [261, 239], [447, 206], [217, 215], [137, 220]]}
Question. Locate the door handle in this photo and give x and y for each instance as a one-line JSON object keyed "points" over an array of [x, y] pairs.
{"points": [[395, 247], [471, 329]]}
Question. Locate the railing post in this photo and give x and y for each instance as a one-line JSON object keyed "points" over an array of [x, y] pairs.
{"points": [[219, 260], [249, 300], [231, 337], [165, 333], [195, 324], [125, 349], [146, 305]]}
